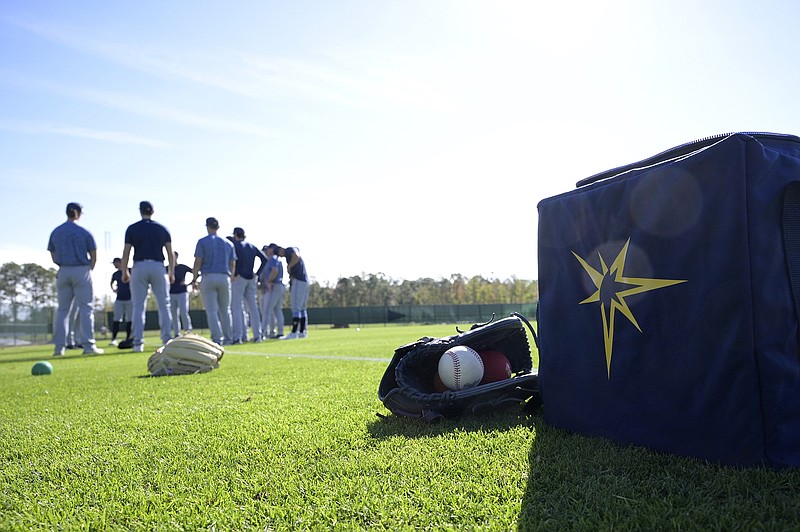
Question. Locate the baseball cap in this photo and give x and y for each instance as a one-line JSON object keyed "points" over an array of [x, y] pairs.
{"points": [[238, 231], [116, 260], [72, 206], [145, 207], [212, 223]]}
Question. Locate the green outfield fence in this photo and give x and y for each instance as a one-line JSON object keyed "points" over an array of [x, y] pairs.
{"points": [[40, 329], [343, 316], [401, 314], [27, 330]]}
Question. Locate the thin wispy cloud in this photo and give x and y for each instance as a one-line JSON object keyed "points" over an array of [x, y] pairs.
{"points": [[48, 128], [136, 105], [146, 107], [342, 80], [345, 80]]}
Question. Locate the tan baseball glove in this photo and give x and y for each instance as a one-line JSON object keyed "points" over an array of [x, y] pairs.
{"points": [[185, 355]]}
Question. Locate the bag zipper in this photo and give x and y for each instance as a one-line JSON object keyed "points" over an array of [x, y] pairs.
{"points": [[681, 150]]}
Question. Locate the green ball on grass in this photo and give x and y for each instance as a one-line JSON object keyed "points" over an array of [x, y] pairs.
{"points": [[42, 368]]}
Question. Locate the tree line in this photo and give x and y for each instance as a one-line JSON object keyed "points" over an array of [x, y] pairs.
{"points": [[379, 290], [27, 290]]}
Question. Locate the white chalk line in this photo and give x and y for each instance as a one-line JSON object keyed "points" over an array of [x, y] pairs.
{"points": [[320, 357]]}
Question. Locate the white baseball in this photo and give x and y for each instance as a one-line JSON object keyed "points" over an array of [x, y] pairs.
{"points": [[460, 367]]}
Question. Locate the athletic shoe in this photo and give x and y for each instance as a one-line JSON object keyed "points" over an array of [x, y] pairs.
{"points": [[290, 336], [138, 349], [114, 342], [237, 342], [257, 340], [93, 350], [303, 334], [58, 352]]}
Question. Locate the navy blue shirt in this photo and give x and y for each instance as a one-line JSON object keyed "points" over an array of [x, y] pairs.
{"points": [[148, 239], [298, 271], [246, 261], [179, 286], [123, 289]]}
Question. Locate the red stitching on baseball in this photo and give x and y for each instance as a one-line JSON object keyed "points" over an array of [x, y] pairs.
{"points": [[456, 370]]}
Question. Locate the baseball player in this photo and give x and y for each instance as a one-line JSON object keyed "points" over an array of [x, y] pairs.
{"points": [[215, 260], [123, 308], [74, 250], [272, 294], [149, 241], [179, 299], [244, 287], [298, 290]]}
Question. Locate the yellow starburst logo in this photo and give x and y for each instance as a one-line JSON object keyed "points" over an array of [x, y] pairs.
{"points": [[612, 289]]}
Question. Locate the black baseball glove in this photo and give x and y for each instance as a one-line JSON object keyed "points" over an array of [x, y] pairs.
{"points": [[408, 389]]}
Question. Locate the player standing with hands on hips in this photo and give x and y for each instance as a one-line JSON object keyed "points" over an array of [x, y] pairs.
{"points": [[74, 250], [149, 240], [298, 291]]}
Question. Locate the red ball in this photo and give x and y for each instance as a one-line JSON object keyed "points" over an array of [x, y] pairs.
{"points": [[438, 385], [496, 366]]}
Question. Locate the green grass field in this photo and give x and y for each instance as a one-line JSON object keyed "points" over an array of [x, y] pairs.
{"points": [[285, 436]]}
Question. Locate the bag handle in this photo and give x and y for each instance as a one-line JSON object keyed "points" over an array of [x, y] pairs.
{"points": [[525, 320], [791, 239]]}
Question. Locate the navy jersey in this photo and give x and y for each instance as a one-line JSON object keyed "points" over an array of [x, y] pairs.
{"points": [[148, 239], [123, 289], [179, 286], [298, 271], [246, 254]]}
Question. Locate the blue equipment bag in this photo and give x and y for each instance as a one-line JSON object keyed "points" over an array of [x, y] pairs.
{"points": [[669, 292]]}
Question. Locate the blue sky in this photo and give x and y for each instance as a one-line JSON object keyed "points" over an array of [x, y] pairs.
{"points": [[408, 138]]}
